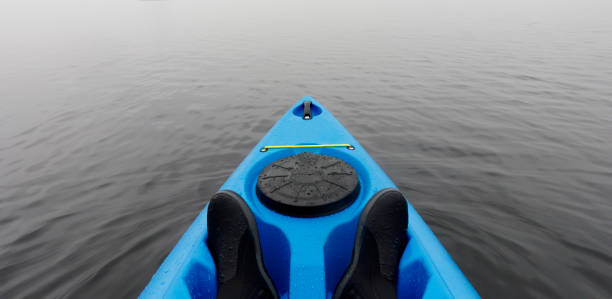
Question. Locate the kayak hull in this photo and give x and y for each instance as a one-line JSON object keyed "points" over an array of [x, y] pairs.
{"points": [[306, 257]]}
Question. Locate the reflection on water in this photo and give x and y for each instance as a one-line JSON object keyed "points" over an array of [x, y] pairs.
{"points": [[120, 119]]}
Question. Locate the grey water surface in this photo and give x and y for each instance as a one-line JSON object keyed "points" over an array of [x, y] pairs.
{"points": [[119, 119]]}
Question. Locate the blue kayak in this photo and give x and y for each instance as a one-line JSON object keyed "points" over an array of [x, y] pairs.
{"points": [[312, 233]]}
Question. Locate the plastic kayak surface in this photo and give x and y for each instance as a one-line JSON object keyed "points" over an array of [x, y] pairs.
{"points": [[307, 256]]}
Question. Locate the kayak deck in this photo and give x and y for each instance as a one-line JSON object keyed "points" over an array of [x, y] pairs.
{"points": [[306, 257]]}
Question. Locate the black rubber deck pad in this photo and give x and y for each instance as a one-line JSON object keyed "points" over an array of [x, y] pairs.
{"points": [[379, 244], [234, 244]]}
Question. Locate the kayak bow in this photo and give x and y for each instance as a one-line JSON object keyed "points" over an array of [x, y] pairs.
{"points": [[307, 254]]}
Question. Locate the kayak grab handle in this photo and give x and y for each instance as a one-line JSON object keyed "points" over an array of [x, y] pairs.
{"points": [[267, 147], [306, 114]]}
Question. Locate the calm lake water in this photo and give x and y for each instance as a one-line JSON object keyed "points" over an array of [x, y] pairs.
{"points": [[119, 119]]}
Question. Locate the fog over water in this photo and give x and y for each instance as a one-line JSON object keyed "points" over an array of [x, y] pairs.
{"points": [[119, 120]]}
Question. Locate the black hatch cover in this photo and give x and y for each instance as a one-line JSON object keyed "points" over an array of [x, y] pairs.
{"points": [[308, 185]]}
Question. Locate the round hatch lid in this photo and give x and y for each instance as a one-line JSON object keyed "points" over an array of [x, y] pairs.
{"points": [[307, 185]]}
